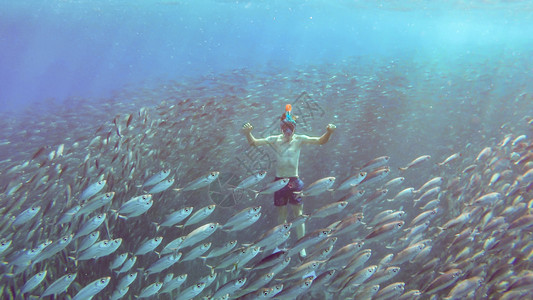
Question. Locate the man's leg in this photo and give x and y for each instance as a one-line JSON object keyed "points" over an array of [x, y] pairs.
{"points": [[297, 210], [282, 214]]}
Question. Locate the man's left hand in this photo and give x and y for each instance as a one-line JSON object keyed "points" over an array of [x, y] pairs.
{"points": [[331, 127]]}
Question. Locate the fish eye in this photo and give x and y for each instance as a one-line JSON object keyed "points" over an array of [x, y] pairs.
{"points": [[199, 286], [265, 293], [69, 276], [144, 197], [65, 239], [102, 280]]}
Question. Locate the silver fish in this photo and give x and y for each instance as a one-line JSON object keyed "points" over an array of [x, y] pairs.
{"points": [[173, 284], [245, 223], [227, 247], [119, 293], [162, 186], [391, 291], [60, 285], [150, 290], [417, 161], [317, 187], [241, 216], [328, 210], [229, 288], [88, 241], [149, 245], [293, 291], [92, 289], [191, 291], [100, 249], [200, 215], [464, 288], [163, 263], [95, 204], [118, 261], [200, 182], [177, 216], [385, 229], [69, 215], [272, 235], [196, 252], [134, 204], [308, 240], [4, 245], [126, 280], [376, 175], [26, 216], [199, 234], [155, 179], [90, 225], [375, 163], [174, 245], [251, 181], [53, 248], [92, 190], [33, 282], [351, 181], [449, 159], [273, 187]]}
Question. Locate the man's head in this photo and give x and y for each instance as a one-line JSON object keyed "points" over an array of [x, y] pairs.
{"points": [[288, 125]]}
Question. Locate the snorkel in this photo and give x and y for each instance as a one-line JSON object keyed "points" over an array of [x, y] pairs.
{"points": [[287, 122]]}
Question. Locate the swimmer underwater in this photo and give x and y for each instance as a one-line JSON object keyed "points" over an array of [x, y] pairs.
{"points": [[287, 146]]}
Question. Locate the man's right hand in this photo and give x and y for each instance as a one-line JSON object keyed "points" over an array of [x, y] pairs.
{"points": [[247, 128]]}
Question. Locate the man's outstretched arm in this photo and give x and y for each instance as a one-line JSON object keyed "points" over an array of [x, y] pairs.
{"points": [[320, 140], [247, 130]]}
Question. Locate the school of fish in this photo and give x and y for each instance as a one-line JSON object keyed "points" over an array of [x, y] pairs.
{"points": [[120, 200]]}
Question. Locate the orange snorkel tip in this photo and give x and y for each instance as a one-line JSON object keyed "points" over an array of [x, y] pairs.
{"points": [[288, 107]]}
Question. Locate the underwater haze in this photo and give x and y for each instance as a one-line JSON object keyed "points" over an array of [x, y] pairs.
{"points": [[142, 151], [64, 50]]}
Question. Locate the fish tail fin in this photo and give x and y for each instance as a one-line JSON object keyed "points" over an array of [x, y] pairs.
{"points": [[211, 268], [114, 213], [204, 259], [157, 226]]}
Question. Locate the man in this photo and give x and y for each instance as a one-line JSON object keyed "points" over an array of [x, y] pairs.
{"points": [[287, 147]]}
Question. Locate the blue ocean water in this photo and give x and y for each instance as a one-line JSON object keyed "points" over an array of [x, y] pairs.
{"points": [[66, 50]]}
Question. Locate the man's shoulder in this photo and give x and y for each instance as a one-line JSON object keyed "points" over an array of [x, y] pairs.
{"points": [[300, 136], [273, 138]]}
